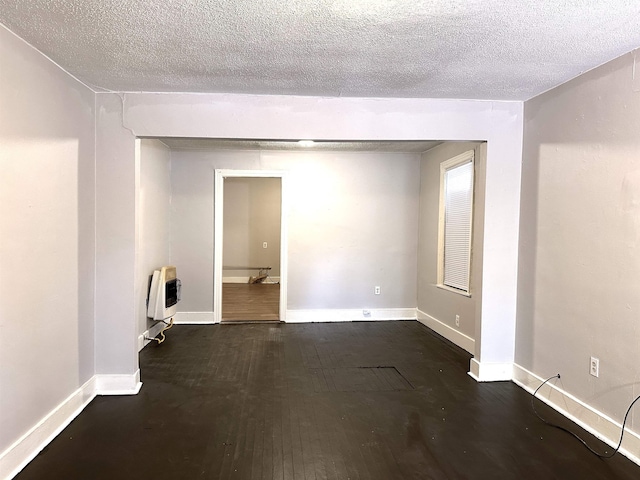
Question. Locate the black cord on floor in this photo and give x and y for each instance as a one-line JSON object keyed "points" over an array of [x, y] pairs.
{"points": [[601, 455]]}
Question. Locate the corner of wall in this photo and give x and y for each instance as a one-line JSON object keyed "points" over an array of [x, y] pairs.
{"points": [[25, 449]]}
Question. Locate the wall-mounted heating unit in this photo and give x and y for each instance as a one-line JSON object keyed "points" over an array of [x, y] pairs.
{"points": [[164, 294]]}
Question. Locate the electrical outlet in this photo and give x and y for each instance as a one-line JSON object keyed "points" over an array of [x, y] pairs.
{"points": [[594, 367], [457, 320], [366, 313], [376, 290]]}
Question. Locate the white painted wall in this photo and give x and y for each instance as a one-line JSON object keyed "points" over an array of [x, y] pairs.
{"points": [[46, 238], [352, 225], [579, 269], [154, 232], [251, 217], [117, 210], [438, 304]]}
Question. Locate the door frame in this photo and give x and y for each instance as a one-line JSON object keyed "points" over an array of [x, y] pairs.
{"points": [[218, 235]]}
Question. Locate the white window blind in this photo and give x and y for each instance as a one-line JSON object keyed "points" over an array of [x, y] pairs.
{"points": [[456, 226]]}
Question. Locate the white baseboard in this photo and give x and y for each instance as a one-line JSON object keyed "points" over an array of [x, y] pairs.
{"points": [[350, 315], [481, 372], [450, 333], [307, 316], [118, 384], [191, 318], [18, 455], [490, 372], [246, 279], [25, 449], [235, 279], [592, 420], [151, 333]]}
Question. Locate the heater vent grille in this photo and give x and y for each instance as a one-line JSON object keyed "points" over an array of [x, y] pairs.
{"points": [[164, 293]]}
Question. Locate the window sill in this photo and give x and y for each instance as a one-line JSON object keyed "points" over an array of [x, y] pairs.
{"points": [[454, 290]]}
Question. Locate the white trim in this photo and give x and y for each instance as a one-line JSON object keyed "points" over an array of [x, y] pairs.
{"points": [[350, 315], [284, 244], [490, 372], [118, 384], [18, 455], [592, 420], [454, 290], [246, 280], [448, 332], [236, 279], [151, 333], [194, 318], [220, 175], [218, 211], [25, 449]]}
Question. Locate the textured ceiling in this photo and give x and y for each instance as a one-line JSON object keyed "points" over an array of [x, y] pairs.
{"points": [[479, 49]]}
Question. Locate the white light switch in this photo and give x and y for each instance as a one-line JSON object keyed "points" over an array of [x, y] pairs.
{"points": [[264, 244]]}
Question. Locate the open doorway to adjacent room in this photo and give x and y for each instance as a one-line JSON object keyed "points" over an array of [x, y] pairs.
{"points": [[248, 284]]}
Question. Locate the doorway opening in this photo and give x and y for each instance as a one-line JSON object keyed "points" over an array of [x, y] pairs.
{"points": [[249, 247]]}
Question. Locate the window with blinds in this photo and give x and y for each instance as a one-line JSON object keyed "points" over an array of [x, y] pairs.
{"points": [[456, 219]]}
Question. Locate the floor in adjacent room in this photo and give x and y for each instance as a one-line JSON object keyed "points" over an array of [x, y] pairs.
{"points": [[255, 302], [362, 400]]}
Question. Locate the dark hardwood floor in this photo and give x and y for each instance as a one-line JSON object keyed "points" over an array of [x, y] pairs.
{"points": [[242, 302], [366, 400]]}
